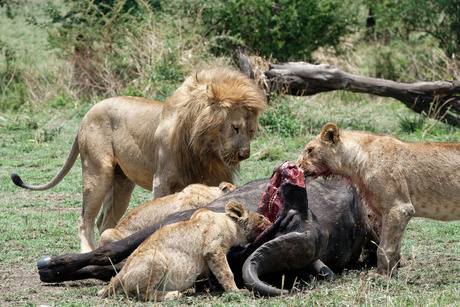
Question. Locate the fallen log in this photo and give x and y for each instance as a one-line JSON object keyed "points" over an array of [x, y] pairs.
{"points": [[437, 99]]}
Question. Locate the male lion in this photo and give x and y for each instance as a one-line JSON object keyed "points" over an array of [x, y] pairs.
{"points": [[199, 135], [194, 196], [175, 256], [397, 179]]}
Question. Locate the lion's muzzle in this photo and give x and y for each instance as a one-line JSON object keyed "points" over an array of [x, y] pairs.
{"points": [[243, 155]]}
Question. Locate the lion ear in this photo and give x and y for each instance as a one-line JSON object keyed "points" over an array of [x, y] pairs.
{"points": [[330, 134], [235, 210]]}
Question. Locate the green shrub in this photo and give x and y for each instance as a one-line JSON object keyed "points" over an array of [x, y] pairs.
{"points": [[124, 47], [285, 29], [91, 36], [436, 18]]}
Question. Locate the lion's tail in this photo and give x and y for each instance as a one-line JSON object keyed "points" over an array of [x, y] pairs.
{"points": [[73, 154]]}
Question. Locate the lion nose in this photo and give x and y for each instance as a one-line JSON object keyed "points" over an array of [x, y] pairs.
{"points": [[244, 154], [298, 162]]}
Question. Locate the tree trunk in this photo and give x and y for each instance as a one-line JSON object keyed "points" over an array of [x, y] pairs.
{"points": [[437, 99]]}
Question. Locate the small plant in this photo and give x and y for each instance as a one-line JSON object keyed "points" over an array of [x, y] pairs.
{"points": [[410, 124], [281, 120], [12, 87]]}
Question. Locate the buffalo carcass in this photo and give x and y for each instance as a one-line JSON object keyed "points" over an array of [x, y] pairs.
{"points": [[316, 229]]}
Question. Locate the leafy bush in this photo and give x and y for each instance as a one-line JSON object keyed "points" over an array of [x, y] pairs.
{"points": [[437, 18], [284, 29], [91, 36], [124, 47]]}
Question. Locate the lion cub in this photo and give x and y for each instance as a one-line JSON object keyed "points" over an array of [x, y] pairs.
{"points": [[194, 196], [175, 256], [397, 179]]}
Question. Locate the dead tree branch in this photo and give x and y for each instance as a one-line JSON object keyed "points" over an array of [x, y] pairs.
{"points": [[304, 79]]}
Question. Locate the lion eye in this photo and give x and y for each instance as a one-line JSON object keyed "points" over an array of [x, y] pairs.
{"points": [[309, 150], [237, 130]]}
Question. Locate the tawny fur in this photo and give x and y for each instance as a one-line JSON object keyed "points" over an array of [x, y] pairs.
{"points": [[199, 135], [398, 180], [194, 196], [173, 258]]}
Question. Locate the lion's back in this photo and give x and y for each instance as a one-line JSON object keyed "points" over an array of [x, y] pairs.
{"points": [[118, 110]]}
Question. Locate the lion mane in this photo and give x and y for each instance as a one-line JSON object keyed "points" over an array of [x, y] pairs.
{"points": [[200, 108]]}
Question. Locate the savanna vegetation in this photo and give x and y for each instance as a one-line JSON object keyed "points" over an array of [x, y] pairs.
{"points": [[58, 58]]}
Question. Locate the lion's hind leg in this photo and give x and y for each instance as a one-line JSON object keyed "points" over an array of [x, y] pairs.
{"points": [[116, 201], [147, 275], [140, 277], [97, 179]]}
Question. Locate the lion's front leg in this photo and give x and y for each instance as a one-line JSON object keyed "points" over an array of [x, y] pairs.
{"points": [[160, 188], [166, 180], [393, 226], [218, 264]]}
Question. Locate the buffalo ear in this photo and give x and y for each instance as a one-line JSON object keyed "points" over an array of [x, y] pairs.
{"points": [[330, 134], [235, 210]]}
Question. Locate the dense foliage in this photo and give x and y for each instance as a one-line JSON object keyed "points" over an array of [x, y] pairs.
{"points": [[437, 18], [284, 29]]}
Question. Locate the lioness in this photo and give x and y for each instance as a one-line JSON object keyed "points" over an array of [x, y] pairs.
{"points": [[175, 256], [194, 196], [397, 179], [199, 135]]}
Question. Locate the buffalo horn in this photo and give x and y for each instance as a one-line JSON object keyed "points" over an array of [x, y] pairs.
{"points": [[288, 252]]}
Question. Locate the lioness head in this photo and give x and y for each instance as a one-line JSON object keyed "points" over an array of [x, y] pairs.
{"points": [[319, 158], [251, 222]]}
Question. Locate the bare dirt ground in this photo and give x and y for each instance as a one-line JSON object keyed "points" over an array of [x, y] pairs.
{"points": [[20, 285]]}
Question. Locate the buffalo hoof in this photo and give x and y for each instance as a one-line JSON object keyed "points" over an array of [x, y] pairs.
{"points": [[47, 276], [43, 263], [326, 273], [49, 273]]}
